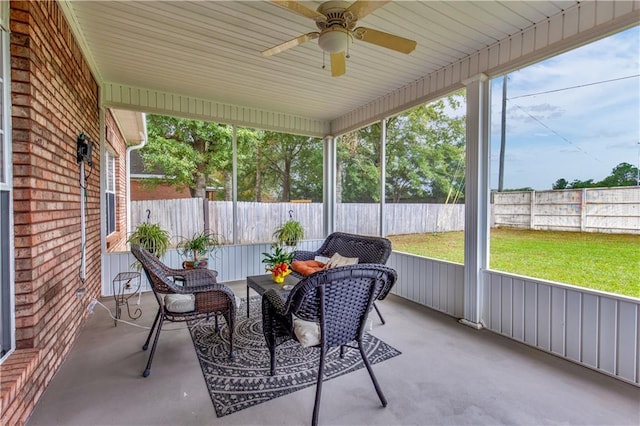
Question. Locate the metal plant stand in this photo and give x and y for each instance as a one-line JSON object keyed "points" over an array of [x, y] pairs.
{"points": [[125, 285]]}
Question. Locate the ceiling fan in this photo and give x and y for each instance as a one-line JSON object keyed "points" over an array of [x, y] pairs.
{"points": [[336, 21]]}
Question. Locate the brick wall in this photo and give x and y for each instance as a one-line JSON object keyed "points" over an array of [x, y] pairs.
{"points": [[141, 191], [116, 144], [54, 99]]}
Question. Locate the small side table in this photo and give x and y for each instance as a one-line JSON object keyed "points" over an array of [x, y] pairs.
{"points": [[261, 283], [125, 285]]}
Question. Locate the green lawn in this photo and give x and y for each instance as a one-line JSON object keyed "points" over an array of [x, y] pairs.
{"points": [[607, 262]]}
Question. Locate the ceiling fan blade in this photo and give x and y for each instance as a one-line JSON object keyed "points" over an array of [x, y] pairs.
{"points": [[301, 9], [338, 64], [289, 44], [360, 9], [383, 39]]}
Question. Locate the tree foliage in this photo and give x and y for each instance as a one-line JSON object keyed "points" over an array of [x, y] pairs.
{"points": [[424, 150], [187, 151], [624, 174]]}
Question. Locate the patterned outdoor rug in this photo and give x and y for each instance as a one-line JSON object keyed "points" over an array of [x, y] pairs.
{"points": [[245, 381]]}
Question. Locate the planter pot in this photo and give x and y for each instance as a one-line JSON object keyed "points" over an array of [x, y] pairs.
{"points": [[191, 264]]}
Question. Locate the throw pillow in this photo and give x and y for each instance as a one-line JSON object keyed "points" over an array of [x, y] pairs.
{"points": [[306, 267], [307, 332], [338, 260]]}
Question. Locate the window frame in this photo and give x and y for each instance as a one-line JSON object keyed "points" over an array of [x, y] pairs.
{"points": [[110, 193], [7, 268]]}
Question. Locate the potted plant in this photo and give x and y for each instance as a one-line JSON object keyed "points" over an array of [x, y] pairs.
{"points": [[197, 249], [289, 233], [278, 263], [152, 237]]}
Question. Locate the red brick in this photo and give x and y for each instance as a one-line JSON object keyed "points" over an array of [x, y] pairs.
{"points": [[54, 98]]}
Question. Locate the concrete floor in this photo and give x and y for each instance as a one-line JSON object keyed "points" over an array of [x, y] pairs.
{"points": [[448, 374]]}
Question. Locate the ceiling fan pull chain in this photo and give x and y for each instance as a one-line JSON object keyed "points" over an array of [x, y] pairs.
{"points": [[323, 63], [348, 48]]}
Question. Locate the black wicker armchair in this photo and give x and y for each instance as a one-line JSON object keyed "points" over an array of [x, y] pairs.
{"points": [[184, 295], [366, 249], [339, 300]]}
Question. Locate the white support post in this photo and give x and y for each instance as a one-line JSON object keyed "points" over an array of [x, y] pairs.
{"points": [[476, 240], [383, 173], [234, 183], [329, 184]]}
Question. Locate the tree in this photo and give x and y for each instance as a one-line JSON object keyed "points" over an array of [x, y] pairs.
{"points": [[291, 166], [624, 174], [425, 152], [192, 153], [560, 184], [424, 156]]}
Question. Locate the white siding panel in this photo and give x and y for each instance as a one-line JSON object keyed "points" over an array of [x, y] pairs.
{"points": [[430, 282], [571, 19], [505, 51], [518, 309], [574, 326], [494, 302], [494, 56], [544, 317], [608, 332], [555, 28], [119, 96], [515, 48], [506, 306], [529, 40], [627, 344], [542, 35], [530, 313], [590, 330], [603, 12], [558, 323], [621, 8], [587, 16]]}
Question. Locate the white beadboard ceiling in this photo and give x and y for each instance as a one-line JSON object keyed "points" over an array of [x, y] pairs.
{"points": [[211, 49]]}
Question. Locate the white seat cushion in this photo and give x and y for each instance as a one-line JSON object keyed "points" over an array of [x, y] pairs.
{"points": [[180, 303], [307, 332]]}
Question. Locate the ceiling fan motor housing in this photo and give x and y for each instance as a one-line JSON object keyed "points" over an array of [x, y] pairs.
{"points": [[335, 32]]}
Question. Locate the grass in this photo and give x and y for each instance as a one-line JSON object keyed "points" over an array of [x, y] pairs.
{"points": [[606, 262]]}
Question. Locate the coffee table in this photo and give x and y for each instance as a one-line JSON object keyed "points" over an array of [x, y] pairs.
{"points": [[262, 283]]}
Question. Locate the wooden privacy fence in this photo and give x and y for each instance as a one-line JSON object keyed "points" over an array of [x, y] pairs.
{"points": [[611, 210], [257, 221]]}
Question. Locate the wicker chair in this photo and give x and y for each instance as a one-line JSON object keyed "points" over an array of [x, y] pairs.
{"points": [[366, 249], [210, 299], [339, 300]]}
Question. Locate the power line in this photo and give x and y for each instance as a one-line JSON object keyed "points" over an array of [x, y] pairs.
{"points": [[554, 132], [576, 87]]}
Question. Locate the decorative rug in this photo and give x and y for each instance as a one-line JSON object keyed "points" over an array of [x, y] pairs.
{"points": [[245, 381]]}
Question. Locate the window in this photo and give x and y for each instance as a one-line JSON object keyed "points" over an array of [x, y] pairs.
{"points": [[279, 177], [358, 181], [425, 178], [565, 186], [111, 192], [6, 208]]}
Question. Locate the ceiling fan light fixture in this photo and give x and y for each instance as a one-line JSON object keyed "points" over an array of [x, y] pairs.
{"points": [[334, 39]]}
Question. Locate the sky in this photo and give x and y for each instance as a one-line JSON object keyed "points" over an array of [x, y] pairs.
{"points": [[578, 133]]}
